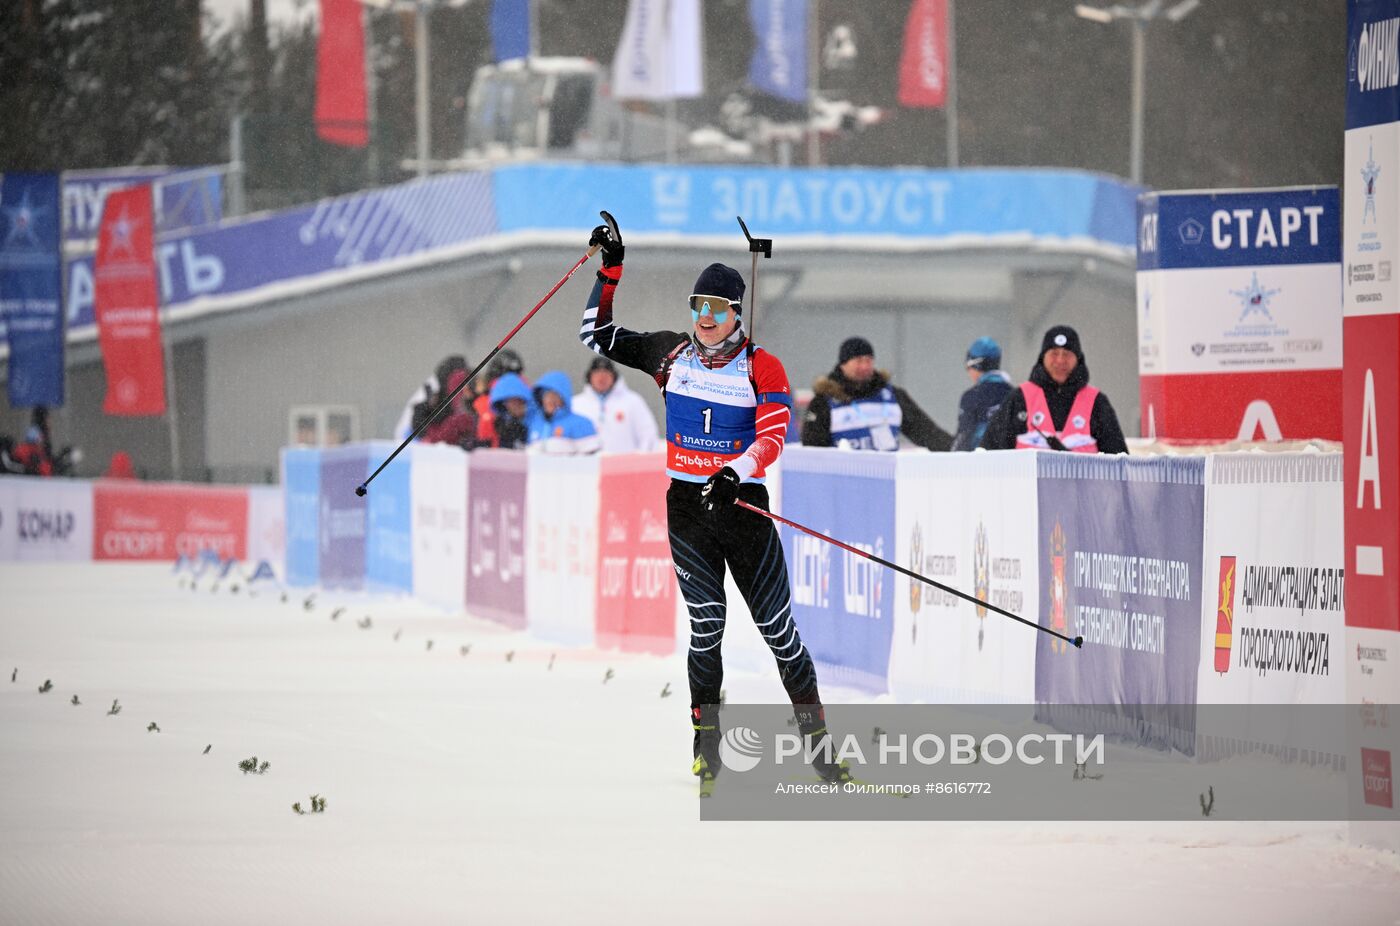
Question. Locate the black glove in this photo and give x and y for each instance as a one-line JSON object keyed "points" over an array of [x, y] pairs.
{"points": [[721, 491], [610, 240]]}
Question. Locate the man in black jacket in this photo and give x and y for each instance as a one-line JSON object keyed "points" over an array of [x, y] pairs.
{"points": [[857, 404], [1057, 409]]}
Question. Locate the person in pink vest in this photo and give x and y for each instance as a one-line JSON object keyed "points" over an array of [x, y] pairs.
{"points": [[1057, 409]]}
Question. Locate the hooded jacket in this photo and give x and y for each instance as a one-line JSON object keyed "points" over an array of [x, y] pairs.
{"points": [[1010, 420], [511, 433], [977, 407], [564, 432], [835, 390], [457, 425], [624, 422]]}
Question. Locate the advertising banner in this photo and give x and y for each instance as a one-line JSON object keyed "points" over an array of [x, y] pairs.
{"points": [[341, 93], [46, 520], [311, 246], [31, 294], [1370, 406], [636, 579], [779, 63], [969, 522], [561, 534], [843, 604], [128, 306], [301, 491], [183, 198], [267, 529], [1239, 327], [1020, 205], [438, 488], [1273, 609], [1120, 564], [496, 536], [343, 520], [923, 66], [389, 563], [164, 521]]}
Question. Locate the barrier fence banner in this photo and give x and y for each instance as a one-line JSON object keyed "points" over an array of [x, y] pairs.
{"points": [[1273, 609], [301, 491], [1120, 564], [438, 489], [267, 529], [9, 522], [561, 535], [163, 521], [343, 517], [842, 603], [51, 519], [496, 536], [969, 522], [637, 591], [389, 542]]}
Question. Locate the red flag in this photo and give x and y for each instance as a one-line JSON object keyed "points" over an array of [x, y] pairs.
{"points": [[341, 107], [127, 305], [923, 68]]}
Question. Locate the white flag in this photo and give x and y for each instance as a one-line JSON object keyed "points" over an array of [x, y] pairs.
{"points": [[659, 55]]}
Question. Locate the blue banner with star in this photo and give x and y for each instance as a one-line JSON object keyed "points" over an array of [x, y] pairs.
{"points": [[1239, 228], [31, 287]]}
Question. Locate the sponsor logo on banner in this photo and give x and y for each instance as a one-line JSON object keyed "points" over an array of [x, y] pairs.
{"points": [[148, 523], [1059, 589], [811, 571], [497, 540], [1372, 60], [916, 588], [41, 526], [981, 573], [1192, 232], [1294, 590], [1225, 615], [1376, 781], [864, 580], [1367, 656]]}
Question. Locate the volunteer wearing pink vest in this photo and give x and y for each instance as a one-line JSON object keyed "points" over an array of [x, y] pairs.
{"points": [[1057, 409]]}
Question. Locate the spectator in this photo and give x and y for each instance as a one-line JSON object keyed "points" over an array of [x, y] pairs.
{"points": [[121, 467], [1057, 409], [511, 409], [507, 361], [30, 457], [555, 427], [621, 417], [856, 406], [421, 403], [989, 388], [457, 425]]}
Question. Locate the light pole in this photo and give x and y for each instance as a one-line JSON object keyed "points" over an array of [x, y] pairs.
{"points": [[1138, 17]]}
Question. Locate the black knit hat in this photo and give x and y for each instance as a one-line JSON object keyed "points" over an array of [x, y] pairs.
{"points": [[1062, 336], [722, 281], [854, 347]]}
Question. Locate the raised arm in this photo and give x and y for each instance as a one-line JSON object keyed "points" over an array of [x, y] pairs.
{"points": [[640, 350]]}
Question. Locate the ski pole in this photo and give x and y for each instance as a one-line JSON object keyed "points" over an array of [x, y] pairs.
{"points": [[757, 246], [364, 486], [1074, 641]]}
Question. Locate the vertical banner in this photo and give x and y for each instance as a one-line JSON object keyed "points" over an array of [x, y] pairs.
{"points": [[438, 488], [496, 536], [968, 521], [342, 110], [779, 63], [389, 538], [1370, 406], [658, 57], [31, 287], [561, 594], [267, 529], [1239, 326], [923, 65], [1120, 564], [344, 517], [127, 305], [301, 491], [636, 579], [843, 604], [510, 29]]}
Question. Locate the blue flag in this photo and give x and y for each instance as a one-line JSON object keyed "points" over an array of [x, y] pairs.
{"points": [[510, 29], [31, 287], [779, 65]]}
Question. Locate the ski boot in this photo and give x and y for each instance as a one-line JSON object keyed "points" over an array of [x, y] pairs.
{"points": [[816, 742], [705, 721]]}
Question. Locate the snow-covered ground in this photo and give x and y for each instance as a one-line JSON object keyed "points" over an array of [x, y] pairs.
{"points": [[472, 788]]}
